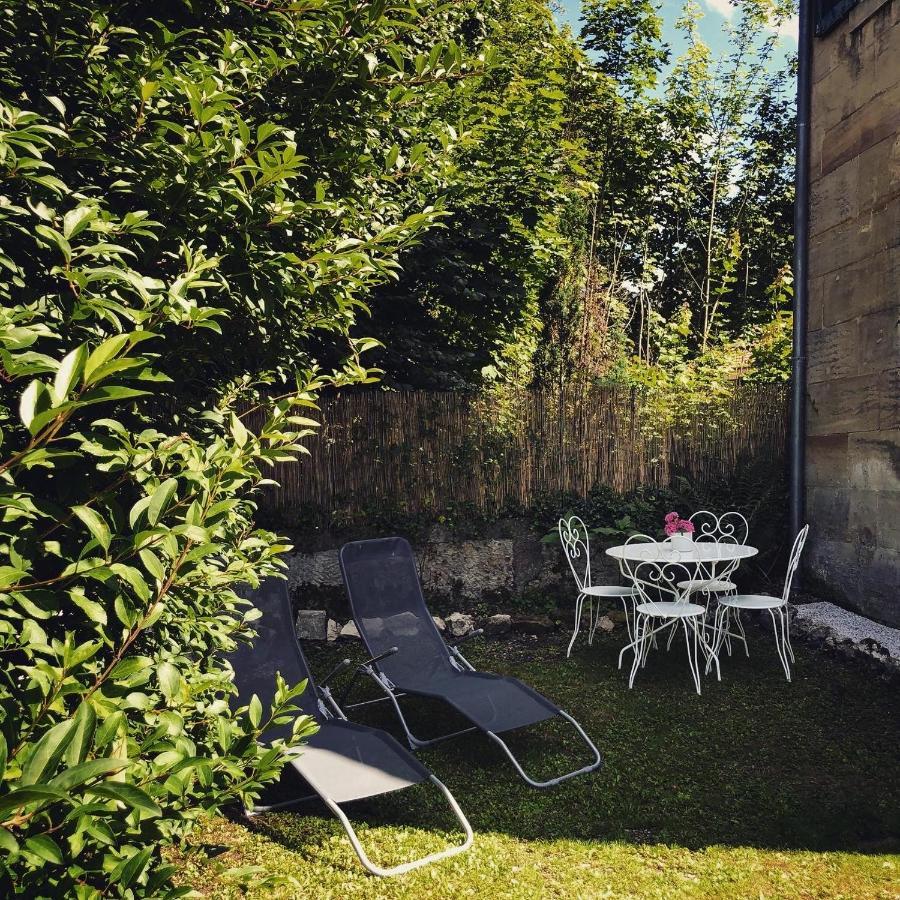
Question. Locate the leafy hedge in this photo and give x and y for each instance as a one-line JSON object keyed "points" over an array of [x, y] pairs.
{"points": [[194, 198]]}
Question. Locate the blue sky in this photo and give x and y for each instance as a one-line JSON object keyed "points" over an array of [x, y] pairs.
{"points": [[717, 12]]}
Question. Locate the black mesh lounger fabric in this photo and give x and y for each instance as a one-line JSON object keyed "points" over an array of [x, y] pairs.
{"points": [[389, 609], [342, 761]]}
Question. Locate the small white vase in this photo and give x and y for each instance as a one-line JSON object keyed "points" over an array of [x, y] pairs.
{"points": [[682, 541]]}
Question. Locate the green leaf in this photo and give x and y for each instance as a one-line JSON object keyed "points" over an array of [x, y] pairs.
{"points": [[133, 867], [85, 771], [3, 752], [35, 399], [170, 680], [25, 796], [45, 847], [48, 752], [160, 498], [76, 220], [95, 524], [85, 722], [102, 354], [68, 373], [128, 794], [95, 612], [7, 842], [255, 711], [152, 564]]}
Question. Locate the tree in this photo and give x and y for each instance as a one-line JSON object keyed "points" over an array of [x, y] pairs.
{"points": [[464, 309], [190, 194]]}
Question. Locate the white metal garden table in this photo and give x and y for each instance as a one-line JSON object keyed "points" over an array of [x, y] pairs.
{"points": [[675, 573]]}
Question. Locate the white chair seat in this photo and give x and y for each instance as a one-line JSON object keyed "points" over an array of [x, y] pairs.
{"points": [[609, 590], [751, 601], [670, 610], [712, 586]]}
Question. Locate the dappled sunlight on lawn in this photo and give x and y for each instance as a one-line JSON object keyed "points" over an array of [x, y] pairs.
{"points": [[756, 788]]}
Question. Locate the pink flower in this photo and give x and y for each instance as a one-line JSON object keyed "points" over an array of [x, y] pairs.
{"points": [[676, 525]]}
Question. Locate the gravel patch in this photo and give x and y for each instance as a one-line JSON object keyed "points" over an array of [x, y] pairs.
{"points": [[847, 625]]}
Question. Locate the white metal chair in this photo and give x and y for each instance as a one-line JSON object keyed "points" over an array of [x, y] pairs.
{"points": [[576, 545], [663, 605], [732, 605], [729, 528]]}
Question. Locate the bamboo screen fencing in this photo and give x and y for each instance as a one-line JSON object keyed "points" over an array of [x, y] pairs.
{"points": [[423, 450]]}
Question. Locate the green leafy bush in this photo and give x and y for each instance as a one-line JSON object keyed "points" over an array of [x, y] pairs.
{"points": [[185, 201]]}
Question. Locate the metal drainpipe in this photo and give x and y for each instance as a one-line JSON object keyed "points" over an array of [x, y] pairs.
{"points": [[801, 273]]}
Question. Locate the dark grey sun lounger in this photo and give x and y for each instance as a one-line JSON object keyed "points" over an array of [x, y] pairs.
{"points": [[390, 612], [342, 761]]}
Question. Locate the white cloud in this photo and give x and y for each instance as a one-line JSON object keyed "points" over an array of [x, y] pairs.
{"points": [[787, 29], [722, 7]]}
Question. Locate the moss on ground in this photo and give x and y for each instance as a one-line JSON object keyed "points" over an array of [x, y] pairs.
{"points": [[758, 788]]}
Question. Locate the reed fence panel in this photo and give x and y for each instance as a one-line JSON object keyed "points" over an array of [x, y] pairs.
{"points": [[422, 450]]}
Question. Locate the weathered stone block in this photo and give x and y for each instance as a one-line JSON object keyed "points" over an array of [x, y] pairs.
{"points": [[440, 624], [865, 287], [862, 578], [312, 624], [827, 460], [862, 519], [843, 405], [879, 340], [889, 398], [876, 120], [889, 520], [827, 510], [834, 197], [468, 569], [850, 242], [532, 624], [832, 352], [874, 460], [498, 624], [460, 624], [333, 631], [314, 568], [349, 632]]}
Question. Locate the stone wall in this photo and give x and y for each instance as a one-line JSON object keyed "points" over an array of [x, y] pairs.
{"points": [[853, 410], [508, 568]]}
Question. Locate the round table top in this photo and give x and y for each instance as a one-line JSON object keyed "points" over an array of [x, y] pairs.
{"points": [[697, 551]]}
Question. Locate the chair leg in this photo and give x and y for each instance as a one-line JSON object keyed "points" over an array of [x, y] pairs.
{"points": [[672, 632], [787, 631], [374, 869], [692, 652], [592, 620], [578, 604], [628, 615], [740, 626], [779, 641], [590, 767], [640, 648]]}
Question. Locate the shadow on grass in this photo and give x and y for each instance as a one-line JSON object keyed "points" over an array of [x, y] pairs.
{"points": [[753, 762]]}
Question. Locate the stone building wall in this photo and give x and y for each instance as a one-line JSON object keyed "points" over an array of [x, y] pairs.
{"points": [[853, 409]]}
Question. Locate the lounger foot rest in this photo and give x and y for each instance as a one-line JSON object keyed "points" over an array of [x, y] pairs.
{"points": [[598, 759], [374, 869], [414, 742]]}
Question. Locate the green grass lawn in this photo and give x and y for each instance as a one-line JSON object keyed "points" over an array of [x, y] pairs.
{"points": [[758, 788]]}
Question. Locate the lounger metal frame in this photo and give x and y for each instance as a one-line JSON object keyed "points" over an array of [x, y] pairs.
{"points": [[328, 708], [462, 664]]}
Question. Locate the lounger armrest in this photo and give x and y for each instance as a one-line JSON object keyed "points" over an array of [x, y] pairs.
{"points": [[476, 633], [374, 659], [340, 667]]}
